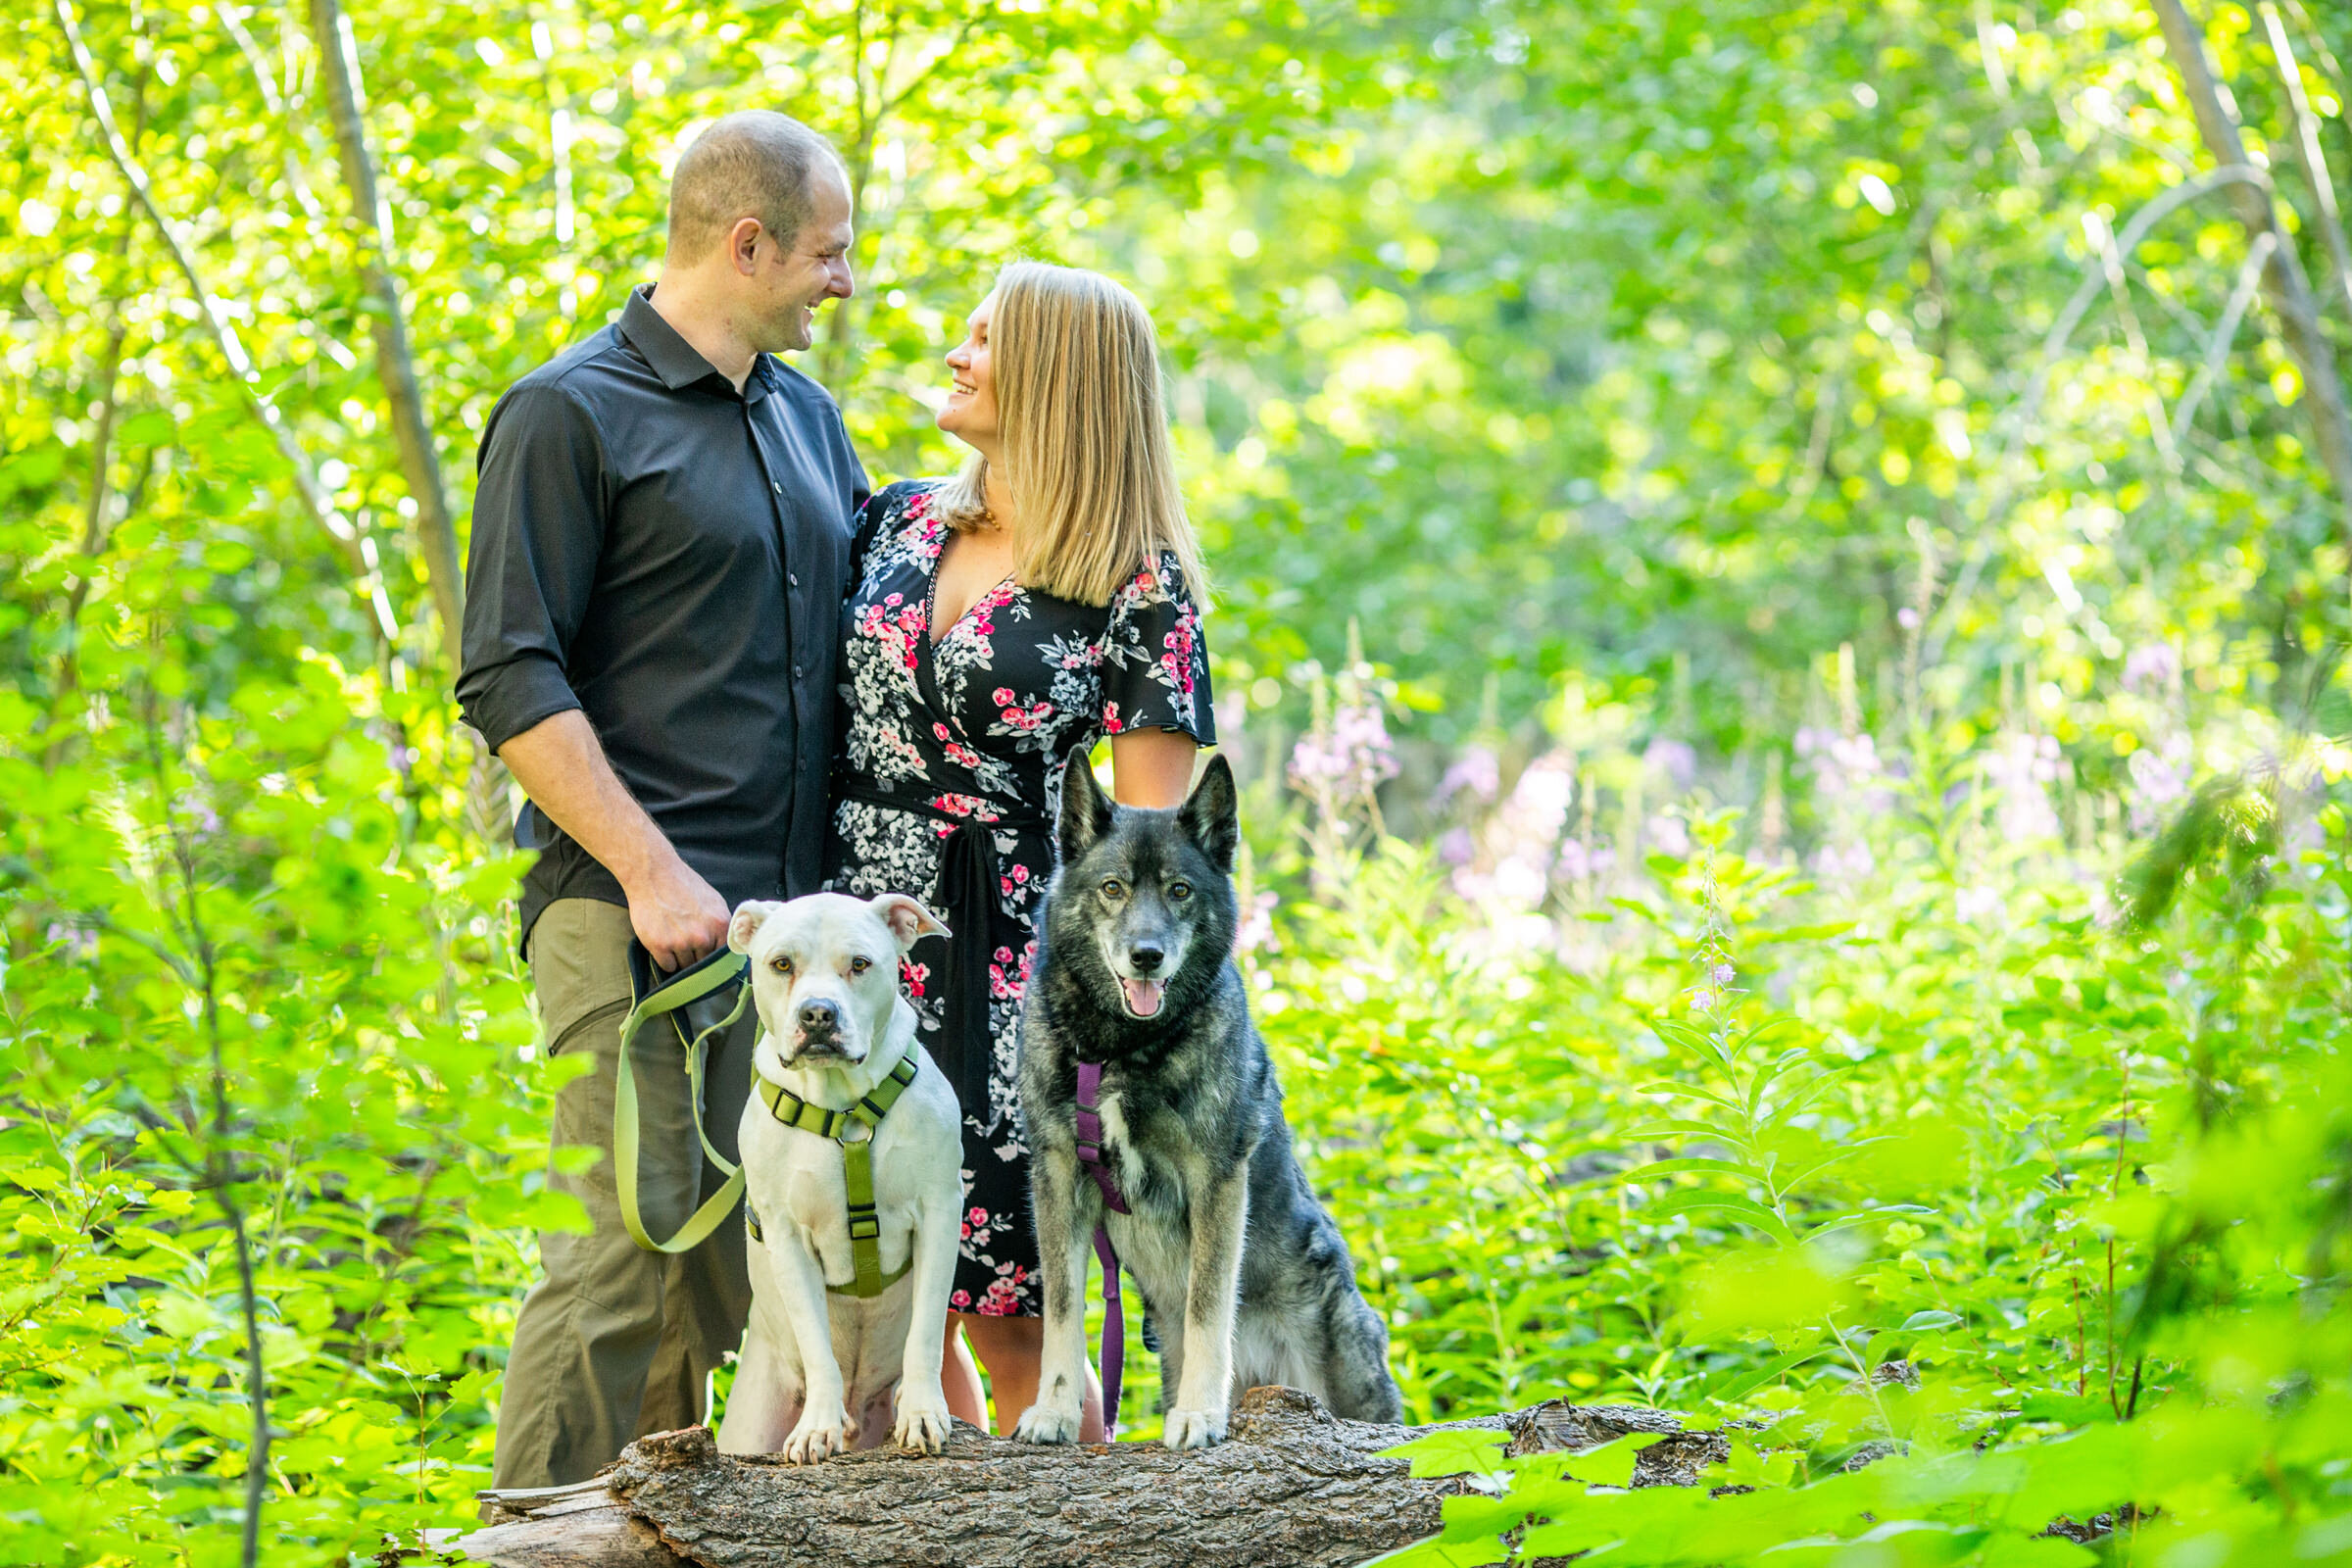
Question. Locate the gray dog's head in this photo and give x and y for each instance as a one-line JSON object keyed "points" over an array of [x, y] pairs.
{"points": [[826, 970], [1144, 900]]}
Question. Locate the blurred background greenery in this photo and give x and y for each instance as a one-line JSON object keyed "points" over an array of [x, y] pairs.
{"points": [[1824, 511]]}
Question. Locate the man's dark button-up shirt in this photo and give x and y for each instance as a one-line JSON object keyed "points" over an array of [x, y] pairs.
{"points": [[667, 556]]}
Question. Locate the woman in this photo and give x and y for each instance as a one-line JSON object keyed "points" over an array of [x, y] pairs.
{"points": [[1044, 597]]}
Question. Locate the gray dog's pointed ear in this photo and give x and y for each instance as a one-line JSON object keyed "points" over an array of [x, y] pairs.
{"points": [[1084, 812], [1212, 813], [749, 916], [908, 920]]}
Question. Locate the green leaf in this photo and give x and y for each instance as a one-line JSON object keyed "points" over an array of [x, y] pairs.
{"points": [[1460, 1451]]}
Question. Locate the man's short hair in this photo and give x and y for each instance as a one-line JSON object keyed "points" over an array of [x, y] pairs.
{"points": [[752, 164]]}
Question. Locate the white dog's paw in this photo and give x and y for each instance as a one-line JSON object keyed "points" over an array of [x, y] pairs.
{"points": [[922, 1421], [1042, 1424], [1193, 1429], [819, 1436]]}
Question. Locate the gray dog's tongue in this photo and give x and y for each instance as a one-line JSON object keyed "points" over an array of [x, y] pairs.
{"points": [[1143, 996]]}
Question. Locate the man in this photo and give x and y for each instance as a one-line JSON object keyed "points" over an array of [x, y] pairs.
{"points": [[660, 539]]}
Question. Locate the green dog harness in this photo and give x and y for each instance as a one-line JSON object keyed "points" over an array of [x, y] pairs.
{"points": [[854, 1130], [658, 995]]}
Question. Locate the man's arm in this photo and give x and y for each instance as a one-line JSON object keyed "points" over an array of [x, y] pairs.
{"points": [[538, 529], [562, 768]]}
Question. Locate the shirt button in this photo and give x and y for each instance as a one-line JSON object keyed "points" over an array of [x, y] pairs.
{"points": [[797, 673], [777, 488], [792, 578]]}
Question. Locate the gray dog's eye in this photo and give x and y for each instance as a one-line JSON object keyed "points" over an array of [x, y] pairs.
{"points": [[1114, 888], [860, 963], [1180, 890]]}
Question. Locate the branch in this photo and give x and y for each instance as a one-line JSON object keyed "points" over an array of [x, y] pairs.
{"points": [[2283, 280], [2308, 151], [357, 550], [395, 362], [2225, 334], [2019, 416]]}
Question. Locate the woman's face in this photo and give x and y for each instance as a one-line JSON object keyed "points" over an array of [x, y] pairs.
{"points": [[970, 414]]}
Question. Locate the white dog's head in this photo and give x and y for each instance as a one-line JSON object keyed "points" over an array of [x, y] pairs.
{"points": [[826, 970]]}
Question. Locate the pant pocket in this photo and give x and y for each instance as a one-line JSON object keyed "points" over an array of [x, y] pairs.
{"points": [[579, 968]]}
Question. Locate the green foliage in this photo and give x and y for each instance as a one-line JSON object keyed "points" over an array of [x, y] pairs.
{"points": [[1712, 998]]}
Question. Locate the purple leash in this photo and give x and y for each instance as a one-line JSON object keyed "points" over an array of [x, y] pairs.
{"points": [[1114, 1322]]}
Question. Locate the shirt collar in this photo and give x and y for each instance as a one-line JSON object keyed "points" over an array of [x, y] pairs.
{"points": [[679, 362]]}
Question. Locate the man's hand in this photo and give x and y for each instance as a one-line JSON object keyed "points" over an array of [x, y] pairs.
{"points": [[677, 915]]}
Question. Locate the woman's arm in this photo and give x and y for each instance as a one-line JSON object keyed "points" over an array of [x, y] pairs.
{"points": [[1152, 767]]}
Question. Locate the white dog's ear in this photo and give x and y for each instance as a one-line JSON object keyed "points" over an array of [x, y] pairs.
{"points": [[749, 916], [908, 920]]}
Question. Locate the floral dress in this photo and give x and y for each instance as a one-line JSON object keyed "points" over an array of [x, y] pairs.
{"points": [[945, 787]]}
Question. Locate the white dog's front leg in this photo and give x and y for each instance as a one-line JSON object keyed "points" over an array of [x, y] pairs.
{"points": [[765, 1400], [1212, 1290], [1065, 1242], [824, 1429], [922, 1418]]}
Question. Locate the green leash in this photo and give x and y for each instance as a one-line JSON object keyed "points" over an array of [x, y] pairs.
{"points": [[856, 1165], [655, 1000]]}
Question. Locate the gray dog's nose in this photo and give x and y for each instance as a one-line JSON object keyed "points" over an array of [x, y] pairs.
{"points": [[1146, 956], [819, 1017]]}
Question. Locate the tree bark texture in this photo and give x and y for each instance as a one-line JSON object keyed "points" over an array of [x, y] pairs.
{"points": [[388, 322], [2284, 283], [1292, 1486]]}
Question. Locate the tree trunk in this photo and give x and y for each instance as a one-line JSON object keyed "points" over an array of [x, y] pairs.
{"points": [[2284, 284], [1292, 1487], [388, 322]]}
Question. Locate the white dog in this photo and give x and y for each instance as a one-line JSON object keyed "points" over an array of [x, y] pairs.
{"points": [[820, 1361]]}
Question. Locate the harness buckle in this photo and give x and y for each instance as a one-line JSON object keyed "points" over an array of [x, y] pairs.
{"points": [[864, 1227]]}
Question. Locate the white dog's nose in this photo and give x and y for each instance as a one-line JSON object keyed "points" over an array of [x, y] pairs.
{"points": [[819, 1017]]}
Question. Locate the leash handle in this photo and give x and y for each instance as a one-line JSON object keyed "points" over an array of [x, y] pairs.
{"points": [[658, 999], [1113, 1352]]}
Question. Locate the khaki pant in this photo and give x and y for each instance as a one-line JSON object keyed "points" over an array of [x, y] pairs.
{"points": [[617, 1342]]}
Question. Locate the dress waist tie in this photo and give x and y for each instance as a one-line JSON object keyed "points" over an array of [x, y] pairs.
{"points": [[969, 885]]}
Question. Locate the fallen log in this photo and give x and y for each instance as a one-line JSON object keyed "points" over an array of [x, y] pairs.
{"points": [[1292, 1486]]}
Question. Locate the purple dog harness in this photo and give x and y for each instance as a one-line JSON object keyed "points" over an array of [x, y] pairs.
{"points": [[1114, 1322]]}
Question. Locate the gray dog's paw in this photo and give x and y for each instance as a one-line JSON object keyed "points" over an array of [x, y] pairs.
{"points": [[1039, 1423], [1193, 1429]]}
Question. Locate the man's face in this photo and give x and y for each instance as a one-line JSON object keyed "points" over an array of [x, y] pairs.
{"points": [[790, 280]]}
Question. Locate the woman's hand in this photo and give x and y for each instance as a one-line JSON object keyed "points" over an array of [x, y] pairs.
{"points": [[1152, 767]]}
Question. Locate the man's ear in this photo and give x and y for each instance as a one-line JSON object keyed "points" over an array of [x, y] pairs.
{"points": [[1212, 814], [908, 920], [749, 916], [743, 244], [1084, 813]]}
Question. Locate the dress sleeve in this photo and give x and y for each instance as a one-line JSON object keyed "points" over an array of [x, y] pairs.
{"points": [[1154, 660]]}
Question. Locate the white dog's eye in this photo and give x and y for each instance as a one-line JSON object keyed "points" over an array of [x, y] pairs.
{"points": [[1180, 890], [860, 964], [780, 963], [1114, 888]]}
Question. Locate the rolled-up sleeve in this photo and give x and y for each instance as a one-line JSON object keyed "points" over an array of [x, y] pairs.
{"points": [[538, 529]]}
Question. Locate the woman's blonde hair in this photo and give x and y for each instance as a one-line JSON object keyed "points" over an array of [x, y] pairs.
{"points": [[1085, 441]]}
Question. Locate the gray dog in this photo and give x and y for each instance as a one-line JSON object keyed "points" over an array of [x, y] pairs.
{"points": [[1243, 1273]]}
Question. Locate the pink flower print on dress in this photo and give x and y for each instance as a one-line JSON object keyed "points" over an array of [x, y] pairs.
{"points": [[1110, 720], [1024, 721], [913, 976]]}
